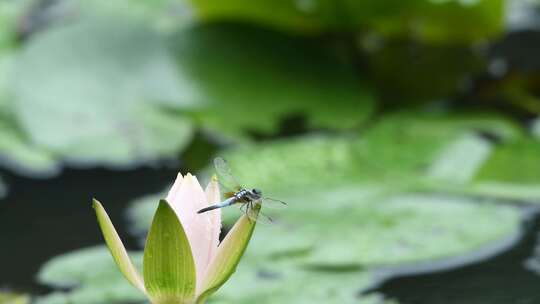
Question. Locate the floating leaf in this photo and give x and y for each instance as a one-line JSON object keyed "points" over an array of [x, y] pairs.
{"points": [[512, 171], [161, 14], [10, 11], [369, 159], [169, 269], [13, 298], [250, 79], [108, 89], [381, 229], [141, 211], [433, 21], [16, 150], [92, 277], [444, 68], [266, 283], [461, 159]]}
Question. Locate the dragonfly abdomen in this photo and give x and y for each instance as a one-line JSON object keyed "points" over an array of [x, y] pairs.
{"points": [[225, 203]]}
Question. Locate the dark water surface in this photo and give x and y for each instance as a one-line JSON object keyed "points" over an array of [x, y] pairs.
{"points": [[42, 218], [507, 278]]}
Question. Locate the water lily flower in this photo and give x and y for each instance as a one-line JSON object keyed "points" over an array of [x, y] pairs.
{"points": [[183, 259]]}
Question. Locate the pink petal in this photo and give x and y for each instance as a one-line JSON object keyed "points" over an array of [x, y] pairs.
{"points": [[174, 189], [213, 196], [186, 200]]}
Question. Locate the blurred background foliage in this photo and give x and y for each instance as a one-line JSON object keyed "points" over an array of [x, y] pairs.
{"points": [[398, 131]]}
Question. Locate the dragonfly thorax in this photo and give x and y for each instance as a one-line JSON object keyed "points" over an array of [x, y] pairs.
{"points": [[245, 195]]}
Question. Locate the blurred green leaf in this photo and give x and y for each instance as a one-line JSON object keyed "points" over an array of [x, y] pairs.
{"points": [[16, 149], [251, 79], [461, 159], [116, 247], [423, 139], [161, 14], [512, 171], [110, 92], [169, 268], [13, 298], [10, 13], [141, 211], [439, 71], [432, 21], [281, 283], [92, 277], [516, 161], [382, 229]]}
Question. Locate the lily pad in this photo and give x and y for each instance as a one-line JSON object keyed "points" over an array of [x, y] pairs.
{"points": [[282, 283], [10, 11], [92, 277], [512, 171], [164, 15], [13, 298], [451, 21], [381, 229], [250, 79], [424, 141], [109, 89], [16, 150]]}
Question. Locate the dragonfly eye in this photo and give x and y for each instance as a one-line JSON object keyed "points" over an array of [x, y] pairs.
{"points": [[256, 191]]}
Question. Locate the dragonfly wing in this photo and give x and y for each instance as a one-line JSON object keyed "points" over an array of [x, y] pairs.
{"points": [[225, 177], [258, 217], [271, 203]]}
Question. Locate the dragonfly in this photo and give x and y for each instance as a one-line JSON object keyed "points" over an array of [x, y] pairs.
{"points": [[249, 200]]}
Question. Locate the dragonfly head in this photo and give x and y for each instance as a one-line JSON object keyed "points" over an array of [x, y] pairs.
{"points": [[256, 192]]}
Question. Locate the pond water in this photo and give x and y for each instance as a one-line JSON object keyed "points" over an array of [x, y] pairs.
{"points": [[54, 216], [508, 277], [42, 218]]}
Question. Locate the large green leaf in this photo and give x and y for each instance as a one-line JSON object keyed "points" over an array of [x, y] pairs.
{"points": [[433, 21], [381, 229], [402, 149], [16, 150], [250, 79], [161, 14], [118, 251], [444, 68], [108, 88], [10, 14], [169, 269], [261, 282], [515, 162], [13, 298], [91, 276], [512, 171]]}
